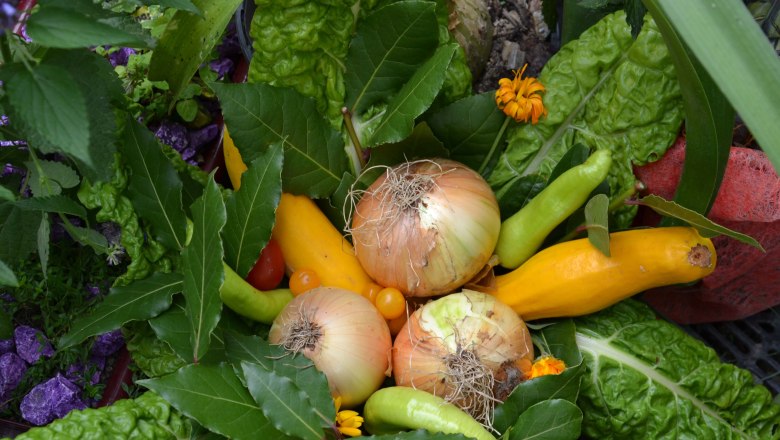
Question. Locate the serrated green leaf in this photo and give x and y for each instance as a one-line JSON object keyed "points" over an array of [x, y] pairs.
{"points": [[203, 270], [251, 211], [284, 403], [472, 130], [554, 419], [259, 115], [155, 188], [706, 227], [187, 41], [597, 222], [45, 103], [82, 24], [389, 46], [18, 232], [143, 299], [415, 96], [6, 194], [48, 177], [7, 276], [214, 396], [58, 203]]}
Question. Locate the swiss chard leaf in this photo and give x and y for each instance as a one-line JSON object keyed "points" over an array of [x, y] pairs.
{"points": [[390, 44], [203, 270], [553, 419], [215, 397], [259, 115], [472, 129], [140, 300], [81, 24], [413, 99], [155, 188], [250, 211]]}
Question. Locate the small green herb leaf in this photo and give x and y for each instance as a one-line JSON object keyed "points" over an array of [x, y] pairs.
{"points": [[597, 222], [214, 396], [554, 419], [7, 278], [155, 188], [283, 402], [203, 270], [413, 99], [140, 300], [250, 211], [706, 227], [48, 178]]}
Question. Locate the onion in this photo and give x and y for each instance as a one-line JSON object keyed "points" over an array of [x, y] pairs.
{"points": [[425, 227], [467, 348], [343, 334]]}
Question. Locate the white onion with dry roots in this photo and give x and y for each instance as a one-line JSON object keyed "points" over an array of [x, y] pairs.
{"points": [[425, 227], [465, 347], [343, 334]]}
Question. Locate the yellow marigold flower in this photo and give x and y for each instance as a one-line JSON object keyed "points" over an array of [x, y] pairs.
{"points": [[521, 98], [546, 365], [348, 422]]}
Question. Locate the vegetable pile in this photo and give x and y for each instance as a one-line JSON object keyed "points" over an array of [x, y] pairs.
{"points": [[391, 255]]}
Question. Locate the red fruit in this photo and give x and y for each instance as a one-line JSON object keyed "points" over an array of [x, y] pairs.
{"points": [[268, 271]]}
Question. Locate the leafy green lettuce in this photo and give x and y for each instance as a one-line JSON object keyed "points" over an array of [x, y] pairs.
{"points": [[647, 379], [604, 90]]}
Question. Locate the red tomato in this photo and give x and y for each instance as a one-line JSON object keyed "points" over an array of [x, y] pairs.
{"points": [[268, 271]]}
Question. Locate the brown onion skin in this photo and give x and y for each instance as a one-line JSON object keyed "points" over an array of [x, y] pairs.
{"points": [[418, 356], [355, 347], [424, 261]]}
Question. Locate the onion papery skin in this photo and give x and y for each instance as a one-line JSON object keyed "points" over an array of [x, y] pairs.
{"points": [[354, 346], [435, 247], [468, 320]]}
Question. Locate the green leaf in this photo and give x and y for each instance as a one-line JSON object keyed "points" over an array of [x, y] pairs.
{"points": [[284, 403], [413, 99], [6, 194], [259, 115], [706, 227], [172, 327], [187, 41], [44, 232], [82, 24], [7, 276], [18, 232], [143, 299], [604, 90], [155, 188], [88, 237], [251, 211], [709, 124], [390, 44], [554, 419], [472, 130], [50, 109], [184, 5], [597, 222], [724, 38], [187, 109], [48, 177], [58, 203], [214, 396], [203, 270]]}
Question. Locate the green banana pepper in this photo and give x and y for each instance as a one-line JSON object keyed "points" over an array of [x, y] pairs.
{"points": [[247, 301], [523, 233]]}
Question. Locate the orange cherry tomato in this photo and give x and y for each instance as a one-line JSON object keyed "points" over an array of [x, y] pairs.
{"points": [[370, 292], [397, 324], [390, 302], [302, 280]]}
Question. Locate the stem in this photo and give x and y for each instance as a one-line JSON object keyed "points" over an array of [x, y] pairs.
{"points": [[354, 137], [247, 301], [493, 147]]}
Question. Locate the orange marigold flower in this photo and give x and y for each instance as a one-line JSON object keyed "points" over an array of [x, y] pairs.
{"points": [[521, 98], [348, 422], [546, 365]]}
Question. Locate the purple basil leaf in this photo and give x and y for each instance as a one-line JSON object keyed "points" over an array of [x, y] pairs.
{"points": [[31, 344], [108, 343], [200, 138], [51, 400], [173, 134], [12, 369], [6, 345]]}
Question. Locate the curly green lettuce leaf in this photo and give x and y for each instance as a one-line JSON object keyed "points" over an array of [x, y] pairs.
{"points": [[604, 90], [647, 379]]}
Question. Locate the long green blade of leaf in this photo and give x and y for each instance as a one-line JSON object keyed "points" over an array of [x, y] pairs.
{"points": [[7, 276], [284, 402], [708, 124], [214, 396], [724, 37], [6, 194], [140, 300], [203, 270], [155, 188], [553, 419], [184, 5], [250, 211], [186, 42], [58, 203], [389, 46], [259, 115], [17, 232], [413, 99]]}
